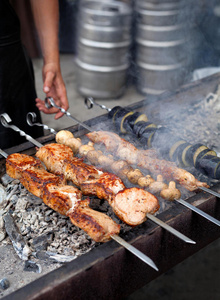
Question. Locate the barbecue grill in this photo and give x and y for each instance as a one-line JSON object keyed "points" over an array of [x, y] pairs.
{"points": [[109, 271]]}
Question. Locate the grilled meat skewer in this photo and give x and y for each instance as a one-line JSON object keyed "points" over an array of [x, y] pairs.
{"points": [[145, 159], [120, 167], [130, 205], [65, 199]]}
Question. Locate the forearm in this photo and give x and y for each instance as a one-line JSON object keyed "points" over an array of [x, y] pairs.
{"points": [[46, 16]]}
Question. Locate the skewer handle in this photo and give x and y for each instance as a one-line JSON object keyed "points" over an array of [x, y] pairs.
{"points": [[89, 102], [31, 120], [5, 120]]}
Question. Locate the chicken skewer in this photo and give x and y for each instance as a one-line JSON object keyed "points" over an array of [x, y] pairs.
{"points": [[65, 199], [127, 151], [111, 229], [145, 159], [76, 145], [130, 153]]}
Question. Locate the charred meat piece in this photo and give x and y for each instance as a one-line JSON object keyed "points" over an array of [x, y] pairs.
{"points": [[105, 187]]}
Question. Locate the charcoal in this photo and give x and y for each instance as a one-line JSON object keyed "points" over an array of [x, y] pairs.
{"points": [[19, 244], [31, 266], [4, 283], [41, 242]]}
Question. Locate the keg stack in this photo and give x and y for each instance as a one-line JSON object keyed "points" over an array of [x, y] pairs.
{"points": [[103, 48], [163, 55]]}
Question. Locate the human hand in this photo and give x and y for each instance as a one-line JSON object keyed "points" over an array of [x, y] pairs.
{"points": [[53, 87]]}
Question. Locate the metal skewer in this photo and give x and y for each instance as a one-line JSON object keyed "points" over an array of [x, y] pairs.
{"points": [[4, 119], [199, 211], [32, 116], [49, 102], [90, 102]]}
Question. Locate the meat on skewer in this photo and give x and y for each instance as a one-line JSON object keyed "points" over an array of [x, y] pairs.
{"points": [[120, 167], [130, 205], [65, 199], [145, 159]]}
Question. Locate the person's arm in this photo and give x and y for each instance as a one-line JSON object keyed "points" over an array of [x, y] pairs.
{"points": [[46, 16]]}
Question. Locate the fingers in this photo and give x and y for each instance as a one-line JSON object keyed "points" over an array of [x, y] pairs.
{"points": [[41, 106], [48, 82]]}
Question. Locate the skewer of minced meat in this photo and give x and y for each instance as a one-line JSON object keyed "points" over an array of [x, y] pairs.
{"points": [[145, 159], [120, 167], [131, 205], [65, 199]]}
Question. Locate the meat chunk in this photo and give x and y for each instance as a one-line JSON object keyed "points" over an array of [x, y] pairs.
{"points": [[34, 180], [133, 204], [105, 187], [61, 198], [53, 155], [98, 225], [17, 163]]}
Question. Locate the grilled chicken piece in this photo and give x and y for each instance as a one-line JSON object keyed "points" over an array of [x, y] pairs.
{"points": [[98, 225], [133, 204], [93, 181], [105, 187], [34, 180], [59, 160], [31, 173], [17, 163], [145, 159], [62, 198], [170, 171], [53, 156]]}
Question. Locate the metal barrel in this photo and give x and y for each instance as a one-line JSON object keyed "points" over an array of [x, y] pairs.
{"points": [[163, 52], [103, 48], [101, 81]]}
